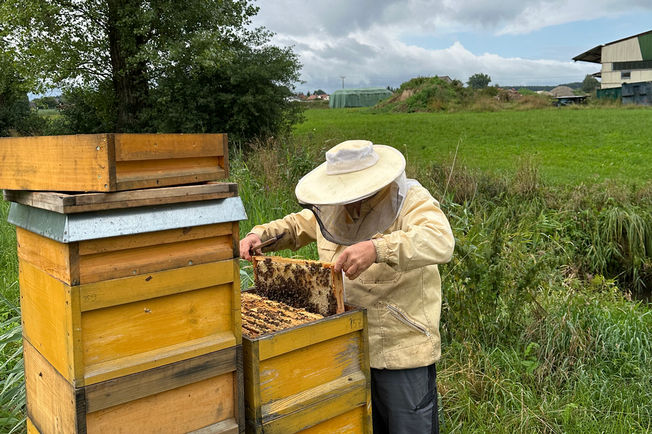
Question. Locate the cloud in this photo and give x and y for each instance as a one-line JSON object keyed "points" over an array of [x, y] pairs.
{"points": [[361, 40], [338, 17], [364, 64]]}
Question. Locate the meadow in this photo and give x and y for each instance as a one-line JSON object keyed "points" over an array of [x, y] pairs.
{"points": [[552, 214], [568, 145]]}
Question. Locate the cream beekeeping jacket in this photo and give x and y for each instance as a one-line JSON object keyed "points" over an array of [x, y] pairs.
{"points": [[402, 290]]}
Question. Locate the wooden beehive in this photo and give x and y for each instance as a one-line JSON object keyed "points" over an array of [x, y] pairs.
{"points": [[111, 162], [312, 377], [131, 316]]}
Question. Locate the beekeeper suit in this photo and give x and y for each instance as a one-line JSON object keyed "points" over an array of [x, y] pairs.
{"points": [[387, 234]]}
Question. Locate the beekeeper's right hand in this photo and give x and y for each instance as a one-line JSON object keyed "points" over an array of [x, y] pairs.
{"points": [[247, 243]]}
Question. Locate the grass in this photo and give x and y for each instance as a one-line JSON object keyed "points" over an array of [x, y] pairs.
{"points": [[12, 392], [569, 146]]}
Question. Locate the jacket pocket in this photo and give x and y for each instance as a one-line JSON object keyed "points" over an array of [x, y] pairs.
{"points": [[405, 319]]}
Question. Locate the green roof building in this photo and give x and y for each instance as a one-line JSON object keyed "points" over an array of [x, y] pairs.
{"points": [[358, 97]]}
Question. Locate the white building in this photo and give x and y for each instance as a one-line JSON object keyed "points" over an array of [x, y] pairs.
{"points": [[627, 60]]}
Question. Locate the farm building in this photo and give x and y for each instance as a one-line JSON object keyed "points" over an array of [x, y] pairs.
{"points": [[358, 97], [627, 60]]}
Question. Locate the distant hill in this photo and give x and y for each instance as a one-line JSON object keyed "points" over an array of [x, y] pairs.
{"points": [[433, 94]]}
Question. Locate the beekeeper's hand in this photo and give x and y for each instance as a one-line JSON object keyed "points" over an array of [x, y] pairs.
{"points": [[355, 259], [246, 244]]}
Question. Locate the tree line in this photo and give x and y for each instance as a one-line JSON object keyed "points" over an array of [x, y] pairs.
{"points": [[145, 66]]}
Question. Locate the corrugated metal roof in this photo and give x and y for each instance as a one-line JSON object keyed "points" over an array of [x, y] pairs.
{"points": [[594, 55]]}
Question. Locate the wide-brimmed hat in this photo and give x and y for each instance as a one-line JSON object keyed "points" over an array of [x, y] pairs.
{"points": [[354, 170]]}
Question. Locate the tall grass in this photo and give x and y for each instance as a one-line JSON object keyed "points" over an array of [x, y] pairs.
{"points": [[12, 390]]}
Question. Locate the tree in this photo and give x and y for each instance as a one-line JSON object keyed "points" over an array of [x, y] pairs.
{"points": [[46, 102], [242, 95], [479, 81], [133, 45], [590, 83], [15, 113]]}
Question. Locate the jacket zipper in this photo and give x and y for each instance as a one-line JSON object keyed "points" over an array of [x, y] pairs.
{"points": [[405, 320]]}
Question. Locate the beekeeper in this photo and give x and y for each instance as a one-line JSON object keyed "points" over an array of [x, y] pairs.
{"points": [[387, 234]]}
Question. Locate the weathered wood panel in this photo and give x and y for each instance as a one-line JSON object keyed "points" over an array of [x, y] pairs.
{"points": [[303, 376], [66, 163], [130, 289], [142, 174], [110, 162], [46, 309], [167, 377], [184, 409], [57, 259], [191, 395], [130, 147], [306, 368], [324, 410], [53, 405], [122, 263], [155, 324], [311, 334], [94, 332], [64, 203], [148, 239], [352, 421]]}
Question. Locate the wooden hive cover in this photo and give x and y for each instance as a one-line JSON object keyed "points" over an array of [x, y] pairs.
{"points": [[111, 162], [72, 203], [312, 285]]}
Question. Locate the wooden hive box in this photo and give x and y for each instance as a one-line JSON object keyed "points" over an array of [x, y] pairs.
{"points": [[131, 317], [202, 394], [111, 162], [313, 377]]}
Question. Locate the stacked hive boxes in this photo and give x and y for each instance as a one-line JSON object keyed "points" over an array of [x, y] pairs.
{"points": [[130, 299]]}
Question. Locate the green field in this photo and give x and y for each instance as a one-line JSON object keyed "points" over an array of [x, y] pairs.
{"points": [[552, 215], [568, 145]]}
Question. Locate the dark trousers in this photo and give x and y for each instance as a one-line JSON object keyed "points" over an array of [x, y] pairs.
{"points": [[404, 400]]}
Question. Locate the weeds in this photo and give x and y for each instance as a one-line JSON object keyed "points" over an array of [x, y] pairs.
{"points": [[12, 389]]}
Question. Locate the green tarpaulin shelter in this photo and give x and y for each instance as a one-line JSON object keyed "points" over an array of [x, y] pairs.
{"points": [[358, 97]]}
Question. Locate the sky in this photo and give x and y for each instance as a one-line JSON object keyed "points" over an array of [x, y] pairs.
{"points": [[385, 42]]}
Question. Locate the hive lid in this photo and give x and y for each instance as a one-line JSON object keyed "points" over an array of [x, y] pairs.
{"points": [[69, 228]]}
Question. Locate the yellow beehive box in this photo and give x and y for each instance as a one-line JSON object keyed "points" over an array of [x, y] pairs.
{"points": [[111, 162], [310, 377], [101, 308], [201, 394]]}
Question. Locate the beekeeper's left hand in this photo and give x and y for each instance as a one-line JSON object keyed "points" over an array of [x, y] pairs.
{"points": [[355, 259]]}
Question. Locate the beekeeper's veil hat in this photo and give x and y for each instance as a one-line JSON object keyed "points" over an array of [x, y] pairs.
{"points": [[355, 170]]}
